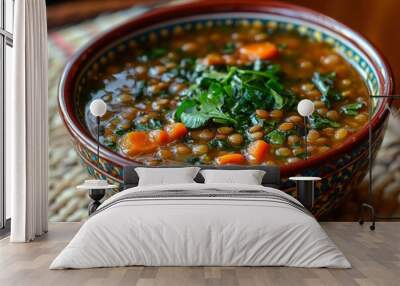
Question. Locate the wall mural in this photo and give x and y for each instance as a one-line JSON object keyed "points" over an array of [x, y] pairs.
{"points": [[225, 96]]}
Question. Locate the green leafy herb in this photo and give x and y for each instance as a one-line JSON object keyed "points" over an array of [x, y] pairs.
{"points": [[276, 137], [233, 96], [188, 70], [318, 122], [152, 54], [110, 144], [352, 109], [220, 144], [195, 119], [139, 88], [266, 124], [229, 48], [193, 160], [275, 88], [187, 104], [151, 124], [282, 46], [301, 155], [121, 132], [325, 85], [156, 53], [207, 106]]}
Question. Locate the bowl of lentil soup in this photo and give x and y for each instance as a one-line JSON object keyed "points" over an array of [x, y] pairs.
{"points": [[219, 85]]}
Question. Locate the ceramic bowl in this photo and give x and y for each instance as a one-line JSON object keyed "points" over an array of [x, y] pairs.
{"points": [[341, 168]]}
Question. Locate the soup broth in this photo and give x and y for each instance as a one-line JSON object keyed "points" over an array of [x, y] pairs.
{"points": [[225, 95]]}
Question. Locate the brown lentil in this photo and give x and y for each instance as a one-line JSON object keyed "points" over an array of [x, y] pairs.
{"points": [[322, 141], [182, 149], [255, 128], [361, 118], [312, 135], [225, 130], [332, 115], [257, 135], [293, 139], [235, 139], [286, 126], [322, 111], [262, 113], [340, 134], [206, 134], [295, 119], [276, 114], [165, 154], [298, 151], [283, 151], [200, 149]]}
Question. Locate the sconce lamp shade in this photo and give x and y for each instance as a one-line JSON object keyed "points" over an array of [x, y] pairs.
{"points": [[98, 108], [305, 107]]}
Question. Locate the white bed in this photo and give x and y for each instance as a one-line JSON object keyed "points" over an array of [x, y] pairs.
{"points": [[224, 225]]}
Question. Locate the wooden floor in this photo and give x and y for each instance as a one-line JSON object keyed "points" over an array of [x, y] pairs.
{"points": [[375, 257]]}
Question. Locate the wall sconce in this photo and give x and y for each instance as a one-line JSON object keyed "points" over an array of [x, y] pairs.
{"points": [[98, 108], [305, 108], [96, 188]]}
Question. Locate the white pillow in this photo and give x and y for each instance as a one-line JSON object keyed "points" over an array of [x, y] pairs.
{"points": [[165, 176], [248, 177]]}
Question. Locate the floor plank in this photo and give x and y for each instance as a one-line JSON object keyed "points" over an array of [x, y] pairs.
{"points": [[375, 257]]}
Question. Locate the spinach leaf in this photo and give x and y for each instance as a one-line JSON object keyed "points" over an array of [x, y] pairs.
{"points": [[139, 88], [266, 124], [188, 70], [291, 100], [351, 109], [318, 122], [220, 144], [193, 160], [276, 137], [282, 46], [184, 105], [151, 124], [260, 65], [252, 74], [325, 84], [157, 53], [207, 106], [152, 54], [121, 132], [274, 88], [231, 97], [195, 119], [109, 144], [229, 48]]}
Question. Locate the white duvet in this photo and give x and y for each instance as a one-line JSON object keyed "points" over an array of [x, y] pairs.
{"points": [[190, 231]]}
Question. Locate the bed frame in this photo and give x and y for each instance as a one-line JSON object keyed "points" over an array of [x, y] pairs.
{"points": [[271, 177]]}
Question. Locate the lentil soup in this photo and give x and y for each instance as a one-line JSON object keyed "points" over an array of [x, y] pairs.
{"points": [[225, 95]]}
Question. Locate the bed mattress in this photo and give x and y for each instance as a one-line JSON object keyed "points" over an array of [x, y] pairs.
{"points": [[201, 225]]}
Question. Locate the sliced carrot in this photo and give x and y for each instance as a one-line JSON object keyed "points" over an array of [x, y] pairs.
{"points": [[262, 51], [137, 142], [258, 150], [176, 131], [160, 137], [231, 159]]}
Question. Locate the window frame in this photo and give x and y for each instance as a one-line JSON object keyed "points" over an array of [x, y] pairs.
{"points": [[6, 39]]}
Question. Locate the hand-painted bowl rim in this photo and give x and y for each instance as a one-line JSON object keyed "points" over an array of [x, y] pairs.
{"points": [[161, 15]]}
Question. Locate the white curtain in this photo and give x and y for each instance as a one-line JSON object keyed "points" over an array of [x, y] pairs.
{"points": [[26, 121]]}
